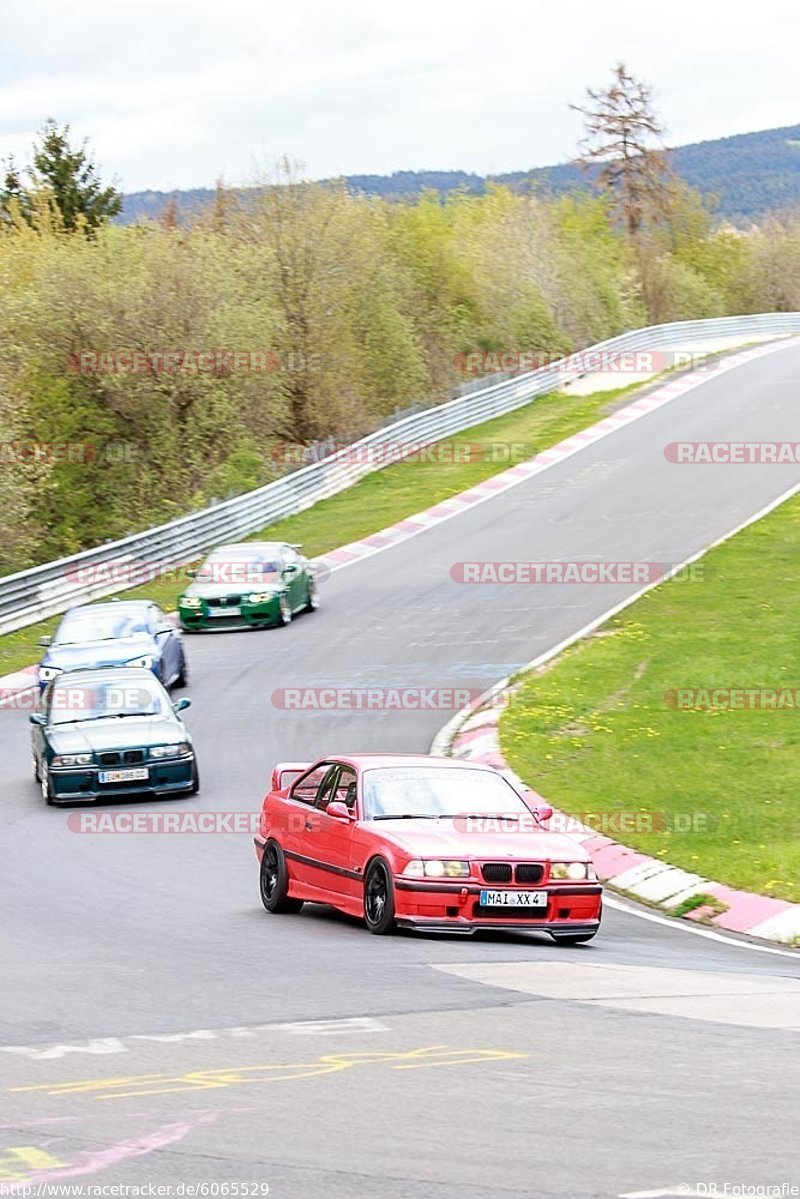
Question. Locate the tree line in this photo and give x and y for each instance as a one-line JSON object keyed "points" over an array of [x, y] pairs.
{"points": [[184, 353]]}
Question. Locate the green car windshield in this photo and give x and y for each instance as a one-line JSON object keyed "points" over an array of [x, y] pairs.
{"points": [[238, 571], [438, 792], [72, 701]]}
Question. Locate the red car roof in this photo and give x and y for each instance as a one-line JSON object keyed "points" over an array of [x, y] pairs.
{"points": [[370, 761]]}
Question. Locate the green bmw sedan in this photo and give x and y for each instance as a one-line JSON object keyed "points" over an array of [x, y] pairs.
{"points": [[101, 733], [256, 584]]}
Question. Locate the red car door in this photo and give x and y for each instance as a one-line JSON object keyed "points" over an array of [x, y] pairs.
{"points": [[330, 839], [298, 822]]}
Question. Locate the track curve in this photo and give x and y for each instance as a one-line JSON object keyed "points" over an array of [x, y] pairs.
{"points": [[140, 936]]}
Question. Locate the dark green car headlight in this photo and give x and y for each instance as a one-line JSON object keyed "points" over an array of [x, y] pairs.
{"points": [[189, 601], [180, 750], [261, 597], [72, 760]]}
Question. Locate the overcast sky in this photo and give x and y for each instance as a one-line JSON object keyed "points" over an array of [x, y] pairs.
{"points": [[173, 94]]}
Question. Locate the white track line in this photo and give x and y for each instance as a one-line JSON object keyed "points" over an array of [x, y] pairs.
{"points": [[681, 926]]}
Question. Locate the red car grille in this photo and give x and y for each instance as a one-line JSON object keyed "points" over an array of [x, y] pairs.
{"points": [[496, 872], [530, 872], [502, 872]]}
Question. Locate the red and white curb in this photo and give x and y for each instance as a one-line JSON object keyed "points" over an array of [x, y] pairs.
{"points": [[12, 686], [634, 873]]}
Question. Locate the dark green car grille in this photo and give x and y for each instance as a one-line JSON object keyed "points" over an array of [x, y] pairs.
{"points": [[128, 757]]}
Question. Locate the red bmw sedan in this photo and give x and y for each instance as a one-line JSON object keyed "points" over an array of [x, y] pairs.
{"points": [[421, 842]]}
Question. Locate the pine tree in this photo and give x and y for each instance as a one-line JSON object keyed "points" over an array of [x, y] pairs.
{"points": [[67, 176]]}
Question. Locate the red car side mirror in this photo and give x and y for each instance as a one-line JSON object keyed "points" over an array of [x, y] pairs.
{"points": [[339, 811]]}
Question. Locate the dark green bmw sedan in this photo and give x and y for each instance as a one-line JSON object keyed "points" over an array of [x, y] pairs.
{"points": [[101, 733], [252, 585]]}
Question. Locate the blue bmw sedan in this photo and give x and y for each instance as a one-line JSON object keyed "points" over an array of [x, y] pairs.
{"points": [[116, 633]]}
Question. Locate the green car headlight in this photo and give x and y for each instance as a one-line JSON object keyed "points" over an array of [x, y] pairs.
{"points": [[72, 760], [437, 868], [180, 750], [576, 872], [260, 597], [189, 601]]}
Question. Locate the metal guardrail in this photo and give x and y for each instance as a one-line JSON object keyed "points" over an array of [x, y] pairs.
{"points": [[47, 590]]}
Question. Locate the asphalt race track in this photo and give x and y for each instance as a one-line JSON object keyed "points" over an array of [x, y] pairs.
{"points": [[347, 1065]]}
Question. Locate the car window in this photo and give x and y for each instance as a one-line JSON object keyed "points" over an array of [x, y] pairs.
{"points": [[70, 699], [307, 786], [347, 787], [327, 788], [436, 791], [238, 568], [105, 623]]}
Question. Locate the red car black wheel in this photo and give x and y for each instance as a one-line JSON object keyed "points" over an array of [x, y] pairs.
{"points": [[274, 882], [378, 899]]}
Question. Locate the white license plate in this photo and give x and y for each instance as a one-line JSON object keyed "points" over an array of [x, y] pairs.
{"points": [[124, 776], [513, 899], [225, 611]]}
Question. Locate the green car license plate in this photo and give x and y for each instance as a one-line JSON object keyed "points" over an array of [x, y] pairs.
{"points": [[134, 775]]}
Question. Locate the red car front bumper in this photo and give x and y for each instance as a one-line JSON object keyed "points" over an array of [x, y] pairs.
{"points": [[571, 908]]}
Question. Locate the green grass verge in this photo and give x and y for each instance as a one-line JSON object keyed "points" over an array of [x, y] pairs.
{"points": [[388, 495], [593, 733]]}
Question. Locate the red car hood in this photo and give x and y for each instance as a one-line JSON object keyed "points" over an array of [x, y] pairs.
{"points": [[443, 839]]}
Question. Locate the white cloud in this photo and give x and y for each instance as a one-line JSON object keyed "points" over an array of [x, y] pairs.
{"points": [[172, 94]]}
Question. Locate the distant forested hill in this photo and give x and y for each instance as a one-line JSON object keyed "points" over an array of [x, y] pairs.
{"points": [[749, 174]]}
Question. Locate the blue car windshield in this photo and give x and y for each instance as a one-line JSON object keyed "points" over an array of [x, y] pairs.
{"points": [[79, 627], [438, 792], [71, 700]]}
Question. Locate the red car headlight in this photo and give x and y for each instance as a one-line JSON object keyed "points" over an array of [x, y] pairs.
{"points": [[436, 868], [576, 872]]}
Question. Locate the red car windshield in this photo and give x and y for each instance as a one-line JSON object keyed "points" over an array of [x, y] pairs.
{"points": [[433, 792]]}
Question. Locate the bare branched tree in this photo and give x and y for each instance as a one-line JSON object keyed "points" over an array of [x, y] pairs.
{"points": [[623, 151]]}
